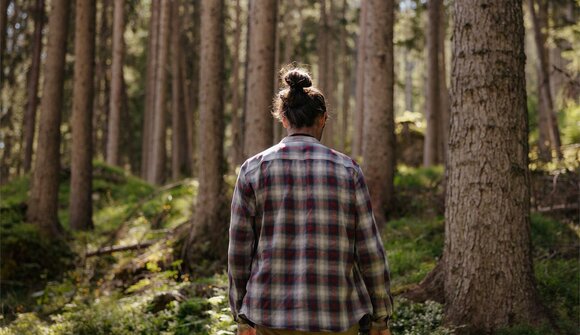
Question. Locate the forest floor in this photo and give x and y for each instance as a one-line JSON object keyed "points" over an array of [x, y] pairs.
{"points": [[81, 286]]}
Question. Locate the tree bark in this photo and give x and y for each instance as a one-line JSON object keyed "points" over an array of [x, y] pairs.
{"points": [[43, 201], [259, 83], [81, 167], [544, 78], [152, 54], [345, 66], [443, 90], [113, 129], [237, 140], [489, 280], [379, 135], [158, 152], [178, 131], [32, 87], [102, 78], [360, 80], [3, 29], [433, 104], [208, 228]]}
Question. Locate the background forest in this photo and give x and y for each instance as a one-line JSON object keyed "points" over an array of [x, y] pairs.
{"points": [[123, 124]]}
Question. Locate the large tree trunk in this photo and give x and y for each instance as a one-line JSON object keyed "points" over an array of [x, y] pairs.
{"points": [[433, 105], [43, 202], [32, 87], [206, 236], [152, 54], [157, 159], [178, 131], [237, 141], [489, 279], [544, 75], [82, 114], [259, 84], [113, 129], [379, 134], [357, 136]]}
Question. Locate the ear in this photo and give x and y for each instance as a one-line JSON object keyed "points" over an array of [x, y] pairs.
{"points": [[285, 122], [322, 119]]}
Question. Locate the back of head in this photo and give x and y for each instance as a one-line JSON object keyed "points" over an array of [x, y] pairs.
{"points": [[299, 102]]}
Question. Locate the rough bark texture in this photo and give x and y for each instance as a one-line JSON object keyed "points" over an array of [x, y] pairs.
{"points": [[539, 21], [113, 129], [260, 71], [237, 140], [32, 87], [178, 131], [443, 90], [43, 201], [433, 102], [206, 236], [489, 280], [82, 114], [379, 134], [158, 152], [357, 138]]}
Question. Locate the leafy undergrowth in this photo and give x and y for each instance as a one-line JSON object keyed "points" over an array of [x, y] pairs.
{"points": [[98, 295]]}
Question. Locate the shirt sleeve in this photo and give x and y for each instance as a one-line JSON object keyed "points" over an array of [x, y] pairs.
{"points": [[370, 255], [241, 243]]}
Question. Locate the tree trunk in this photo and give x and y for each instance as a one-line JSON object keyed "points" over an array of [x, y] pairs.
{"points": [[81, 167], [409, 67], [152, 54], [433, 105], [102, 75], [206, 236], [444, 91], [32, 87], [157, 158], [345, 66], [544, 66], [3, 29], [43, 202], [326, 69], [177, 113], [379, 135], [113, 130], [258, 119], [357, 137], [489, 279], [237, 141]]}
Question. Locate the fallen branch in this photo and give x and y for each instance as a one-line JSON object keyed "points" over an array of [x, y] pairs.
{"points": [[110, 250]]}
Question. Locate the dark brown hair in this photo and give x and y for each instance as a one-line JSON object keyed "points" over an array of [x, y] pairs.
{"points": [[299, 102]]}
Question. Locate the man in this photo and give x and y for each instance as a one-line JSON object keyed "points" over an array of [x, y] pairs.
{"points": [[305, 255]]}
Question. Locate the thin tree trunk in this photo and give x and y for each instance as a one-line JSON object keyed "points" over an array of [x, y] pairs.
{"points": [[409, 67], [157, 168], [3, 28], [360, 80], [433, 105], [43, 202], [237, 141], [208, 227], [113, 130], [345, 66], [32, 87], [259, 83], [489, 278], [102, 74], [177, 113], [188, 115], [379, 135], [152, 54], [81, 167], [444, 92], [545, 94]]}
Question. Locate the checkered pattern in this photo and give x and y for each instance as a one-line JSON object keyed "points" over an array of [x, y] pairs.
{"points": [[304, 250]]}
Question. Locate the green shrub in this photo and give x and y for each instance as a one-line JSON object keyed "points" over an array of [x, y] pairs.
{"points": [[418, 319]]}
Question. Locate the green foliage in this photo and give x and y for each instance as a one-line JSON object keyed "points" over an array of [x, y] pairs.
{"points": [[418, 191], [418, 319]]}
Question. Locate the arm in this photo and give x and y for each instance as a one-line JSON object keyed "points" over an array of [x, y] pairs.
{"points": [[371, 257], [241, 243]]}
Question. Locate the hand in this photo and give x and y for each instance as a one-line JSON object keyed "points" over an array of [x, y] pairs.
{"points": [[380, 332], [247, 331]]}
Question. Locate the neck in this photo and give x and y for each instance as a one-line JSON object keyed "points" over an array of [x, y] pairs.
{"points": [[306, 131]]}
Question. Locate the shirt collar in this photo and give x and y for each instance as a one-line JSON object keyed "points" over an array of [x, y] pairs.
{"points": [[299, 138]]}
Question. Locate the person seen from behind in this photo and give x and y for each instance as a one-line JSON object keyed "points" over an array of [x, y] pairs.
{"points": [[305, 255]]}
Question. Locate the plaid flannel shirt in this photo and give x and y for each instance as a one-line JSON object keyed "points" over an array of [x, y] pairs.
{"points": [[304, 249]]}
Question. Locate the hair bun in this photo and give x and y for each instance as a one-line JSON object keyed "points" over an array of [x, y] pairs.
{"points": [[297, 79]]}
